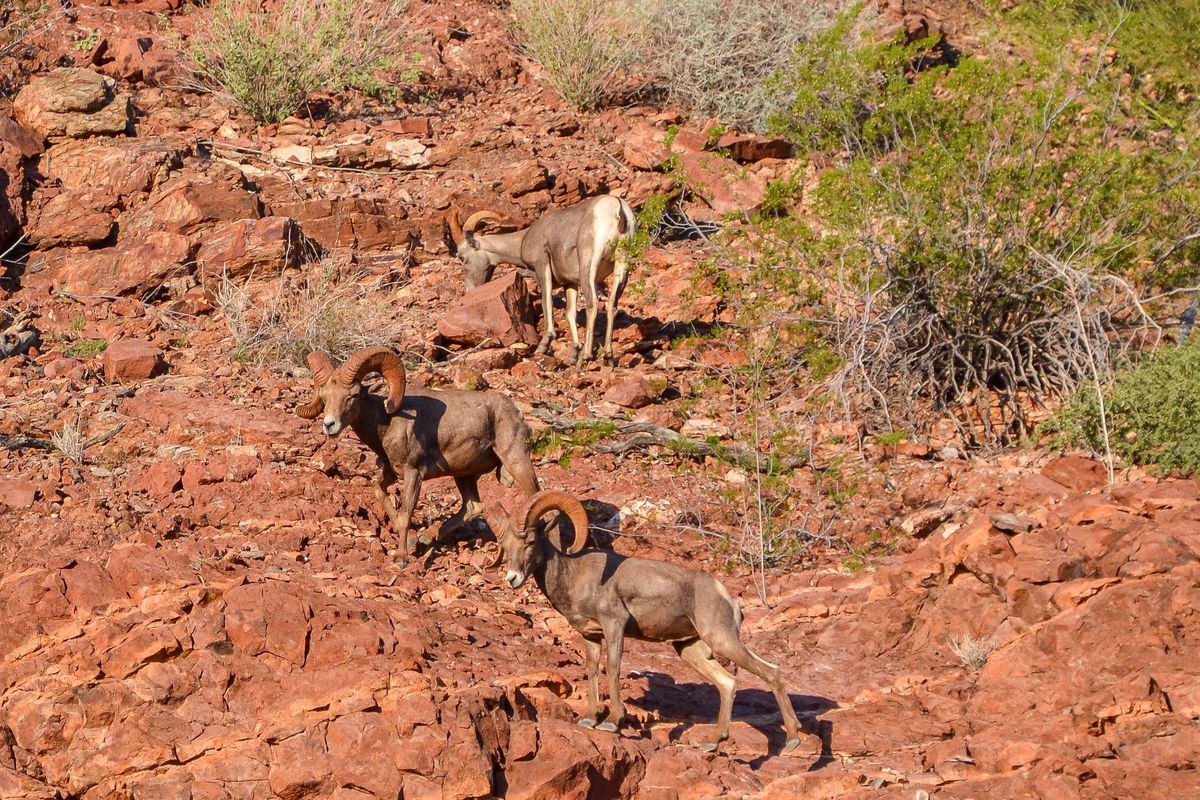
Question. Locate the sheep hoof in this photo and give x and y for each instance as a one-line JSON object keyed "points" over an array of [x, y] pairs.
{"points": [[790, 745], [586, 722], [710, 747], [607, 727]]}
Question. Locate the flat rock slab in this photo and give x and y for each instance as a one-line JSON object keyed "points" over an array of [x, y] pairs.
{"points": [[132, 360]]}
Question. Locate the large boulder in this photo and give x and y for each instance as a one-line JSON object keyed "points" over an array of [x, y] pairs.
{"points": [[190, 205], [73, 103], [121, 169], [498, 313], [127, 360], [18, 148], [68, 219], [248, 246], [137, 267]]}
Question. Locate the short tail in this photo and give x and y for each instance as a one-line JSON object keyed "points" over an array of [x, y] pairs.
{"points": [[628, 223]]}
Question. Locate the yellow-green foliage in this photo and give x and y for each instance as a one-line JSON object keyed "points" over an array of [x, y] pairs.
{"points": [[268, 62], [1152, 412]]}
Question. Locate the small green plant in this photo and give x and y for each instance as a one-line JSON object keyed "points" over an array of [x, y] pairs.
{"points": [[565, 442], [1152, 412], [17, 18], [649, 225], [86, 44], [580, 43], [87, 348], [779, 197], [77, 323], [891, 438], [268, 62]]}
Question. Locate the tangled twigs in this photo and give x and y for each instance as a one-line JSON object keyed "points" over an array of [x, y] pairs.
{"points": [[644, 434]]}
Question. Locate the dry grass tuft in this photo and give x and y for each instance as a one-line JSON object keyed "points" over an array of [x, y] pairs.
{"points": [[972, 653], [318, 310], [70, 441]]}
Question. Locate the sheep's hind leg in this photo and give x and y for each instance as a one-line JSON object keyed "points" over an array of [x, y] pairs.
{"points": [[572, 324], [545, 278], [734, 650], [592, 650], [620, 275], [700, 656], [472, 508]]}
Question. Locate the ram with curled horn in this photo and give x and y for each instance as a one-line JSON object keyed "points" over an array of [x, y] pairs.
{"points": [[421, 433], [577, 248], [607, 597]]}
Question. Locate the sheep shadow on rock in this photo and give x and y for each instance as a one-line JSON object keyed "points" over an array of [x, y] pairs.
{"points": [[696, 705]]}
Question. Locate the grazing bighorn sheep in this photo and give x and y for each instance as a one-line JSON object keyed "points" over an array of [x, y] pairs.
{"points": [[576, 248], [607, 597], [421, 434]]}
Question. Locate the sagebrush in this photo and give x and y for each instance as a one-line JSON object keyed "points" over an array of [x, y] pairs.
{"points": [[711, 56], [582, 44], [269, 61]]}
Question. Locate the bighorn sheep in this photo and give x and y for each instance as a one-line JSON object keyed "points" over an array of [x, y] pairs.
{"points": [[421, 434], [607, 597], [576, 248]]}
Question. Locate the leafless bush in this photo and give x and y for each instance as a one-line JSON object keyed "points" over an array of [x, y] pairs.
{"points": [[318, 310], [580, 43], [70, 441], [713, 56], [972, 653], [269, 61]]}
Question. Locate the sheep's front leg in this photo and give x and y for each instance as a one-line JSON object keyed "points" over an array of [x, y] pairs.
{"points": [[620, 275], [614, 635], [592, 650], [412, 490], [386, 478]]}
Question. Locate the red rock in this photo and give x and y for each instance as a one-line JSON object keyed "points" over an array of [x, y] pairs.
{"points": [[524, 177], [724, 185], [128, 57], [752, 147], [119, 170], [253, 246], [189, 206], [631, 393], [18, 148], [415, 126], [64, 221], [131, 360], [18, 493], [500, 312], [644, 149], [139, 267], [61, 367], [356, 222], [73, 103], [1076, 472], [159, 480]]}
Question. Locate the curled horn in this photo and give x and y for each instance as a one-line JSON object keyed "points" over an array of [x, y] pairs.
{"points": [[456, 231], [381, 360], [322, 371], [468, 228], [552, 500]]}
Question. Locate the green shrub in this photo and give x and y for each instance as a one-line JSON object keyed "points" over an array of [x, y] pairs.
{"points": [[1152, 412], [580, 43], [268, 62], [981, 230], [711, 56]]}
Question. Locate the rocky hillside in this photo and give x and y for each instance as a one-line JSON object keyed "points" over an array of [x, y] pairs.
{"points": [[197, 598]]}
